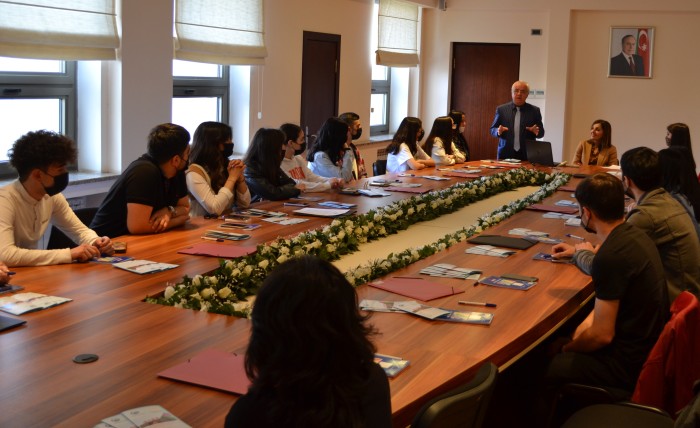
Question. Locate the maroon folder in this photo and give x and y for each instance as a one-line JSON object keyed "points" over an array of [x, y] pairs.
{"points": [[225, 251], [415, 288], [212, 368]]}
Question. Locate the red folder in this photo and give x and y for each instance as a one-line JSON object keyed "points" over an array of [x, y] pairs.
{"points": [[212, 368], [418, 190], [567, 188], [226, 251], [460, 174], [415, 288]]}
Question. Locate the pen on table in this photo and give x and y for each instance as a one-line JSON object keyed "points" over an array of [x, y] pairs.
{"points": [[466, 302], [212, 239], [9, 272], [575, 237]]}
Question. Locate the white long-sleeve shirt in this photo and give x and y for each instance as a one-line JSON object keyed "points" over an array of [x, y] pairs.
{"points": [[399, 162], [204, 200], [23, 221], [297, 170], [440, 156]]}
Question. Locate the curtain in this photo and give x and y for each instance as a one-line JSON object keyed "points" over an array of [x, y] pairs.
{"points": [[397, 44], [53, 29], [223, 32]]}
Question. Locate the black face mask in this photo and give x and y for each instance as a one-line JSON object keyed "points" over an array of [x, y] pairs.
{"points": [[586, 227], [420, 136], [357, 135], [301, 149], [60, 182], [228, 150]]}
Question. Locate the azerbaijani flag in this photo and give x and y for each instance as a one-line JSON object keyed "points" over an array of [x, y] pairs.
{"points": [[643, 48]]}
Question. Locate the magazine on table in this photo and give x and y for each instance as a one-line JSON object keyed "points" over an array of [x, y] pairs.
{"points": [[21, 303], [144, 266], [141, 417], [392, 365]]}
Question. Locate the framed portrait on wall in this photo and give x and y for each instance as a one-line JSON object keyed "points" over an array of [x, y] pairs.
{"points": [[631, 51]]}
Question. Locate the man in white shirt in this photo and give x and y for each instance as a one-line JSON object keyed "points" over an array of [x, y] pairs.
{"points": [[28, 204]]}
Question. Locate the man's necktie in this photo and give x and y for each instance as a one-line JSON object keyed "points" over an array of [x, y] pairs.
{"points": [[634, 70], [516, 131]]}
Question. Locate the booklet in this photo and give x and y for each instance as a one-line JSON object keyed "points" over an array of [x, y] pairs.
{"points": [[322, 212], [489, 250], [111, 259], [10, 288], [515, 284], [144, 266], [378, 306], [220, 234], [333, 204], [373, 193], [141, 417], [391, 365], [285, 221], [21, 303], [440, 314], [446, 270], [548, 258]]}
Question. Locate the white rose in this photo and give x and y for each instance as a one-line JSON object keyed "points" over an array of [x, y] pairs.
{"points": [[224, 292], [330, 248], [196, 281], [229, 265], [169, 291], [235, 272], [263, 264], [341, 234], [247, 270], [284, 250], [196, 296], [281, 259], [335, 223], [213, 280], [207, 293]]}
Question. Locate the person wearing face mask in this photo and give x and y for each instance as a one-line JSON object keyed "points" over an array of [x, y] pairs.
{"points": [[294, 164], [263, 173], [439, 143], [610, 346], [214, 181], [404, 152], [150, 196], [353, 121], [31, 203], [458, 138]]}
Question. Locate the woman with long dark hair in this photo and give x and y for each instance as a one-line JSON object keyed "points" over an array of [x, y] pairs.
{"points": [[404, 153], [597, 150], [263, 174], [678, 135], [214, 182], [678, 178], [330, 155], [309, 359], [460, 121], [439, 143]]}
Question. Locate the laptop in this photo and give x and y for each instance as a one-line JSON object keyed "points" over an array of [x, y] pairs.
{"points": [[539, 153]]}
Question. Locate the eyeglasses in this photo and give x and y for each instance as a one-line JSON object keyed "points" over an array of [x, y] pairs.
{"points": [[520, 91]]}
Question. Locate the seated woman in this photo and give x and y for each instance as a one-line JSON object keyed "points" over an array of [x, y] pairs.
{"points": [[439, 143], [263, 174], [330, 155], [678, 135], [598, 150], [211, 177], [309, 359], [294, 165], [458, 139], [404, 153], [678, 178]]}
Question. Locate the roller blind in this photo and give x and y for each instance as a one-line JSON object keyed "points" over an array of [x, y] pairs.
{"points": [[397, 44], [220, 31], [52, 29]]}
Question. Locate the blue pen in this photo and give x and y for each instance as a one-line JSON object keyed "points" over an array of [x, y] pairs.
{"points": [[9, 272], [575, 237]]}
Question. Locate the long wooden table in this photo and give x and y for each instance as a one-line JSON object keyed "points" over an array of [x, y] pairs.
{"points": [[41, 386]]}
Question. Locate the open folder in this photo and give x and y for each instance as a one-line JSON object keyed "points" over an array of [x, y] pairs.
{"points": [[212, 368], [415, 288]]}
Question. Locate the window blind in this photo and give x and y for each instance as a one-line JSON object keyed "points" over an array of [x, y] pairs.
{"points": [[66, 29], [223, 32], [397, 44]]}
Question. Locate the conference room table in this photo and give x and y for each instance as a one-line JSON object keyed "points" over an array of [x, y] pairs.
{"points": [[41, 386]]}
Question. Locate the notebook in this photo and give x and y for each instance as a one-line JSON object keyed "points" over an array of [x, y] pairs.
{"points": [[539, 153], [7, 323]]}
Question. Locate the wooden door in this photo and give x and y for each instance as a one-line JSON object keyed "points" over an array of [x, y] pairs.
{"points": [[319, 79], [482, 75]]}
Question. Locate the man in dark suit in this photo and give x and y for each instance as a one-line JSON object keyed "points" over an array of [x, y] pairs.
{"points": [[627, 63], [511, 133]]}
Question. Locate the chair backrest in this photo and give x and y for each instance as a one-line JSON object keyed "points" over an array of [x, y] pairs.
{"points": [[463, 407], [379, 167], [667, 377], [59, 240]]}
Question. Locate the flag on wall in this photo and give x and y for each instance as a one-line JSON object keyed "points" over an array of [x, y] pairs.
{"points": [[643, 47]]}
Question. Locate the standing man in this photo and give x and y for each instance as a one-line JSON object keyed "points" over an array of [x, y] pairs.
{"points": [[627, 63], [151, 194], [29, 204], [610, 346], [516, 122]]}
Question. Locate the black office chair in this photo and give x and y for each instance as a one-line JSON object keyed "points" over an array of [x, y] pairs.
{"points": [[379, 167], [462, 407], [619, 415], [58, 240]]}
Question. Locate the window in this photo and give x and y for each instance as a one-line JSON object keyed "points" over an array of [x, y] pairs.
{"points": [[200, 94], [381, 87], [35, 94]]}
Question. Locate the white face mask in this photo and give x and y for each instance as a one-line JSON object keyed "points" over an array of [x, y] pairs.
{"points": [[461, 129]]}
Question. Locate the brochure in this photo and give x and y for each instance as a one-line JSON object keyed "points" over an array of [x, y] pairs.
{"points": [[391, 365], [322, 212], [21, 303], [489, 250], [144, 266], [514, 284], [141, 417], [446, 270]]}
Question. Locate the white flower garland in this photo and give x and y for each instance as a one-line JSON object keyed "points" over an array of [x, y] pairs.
{"points": [[224, 290]]}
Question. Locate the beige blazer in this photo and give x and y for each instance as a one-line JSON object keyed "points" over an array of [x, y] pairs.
{"points": [[606, 157]]}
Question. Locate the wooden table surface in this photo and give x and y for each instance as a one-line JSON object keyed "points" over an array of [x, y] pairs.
{"points": [[41, 386]]}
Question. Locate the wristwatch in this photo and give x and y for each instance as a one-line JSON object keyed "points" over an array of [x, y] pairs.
{"points": [[172, 210]]}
